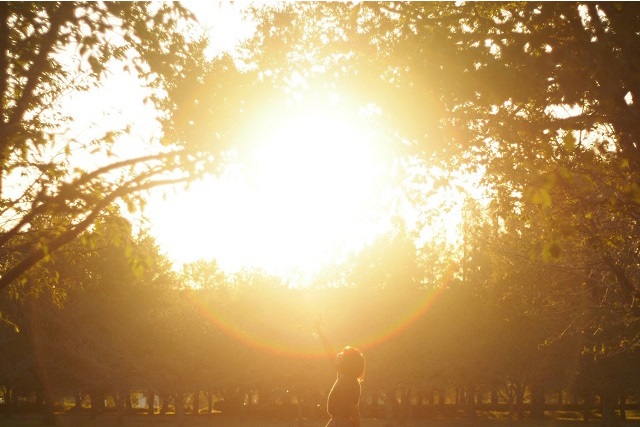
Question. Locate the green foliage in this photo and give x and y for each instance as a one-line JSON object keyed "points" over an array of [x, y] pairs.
{"points": [[539, 97], [502, 324], [52, 51]]}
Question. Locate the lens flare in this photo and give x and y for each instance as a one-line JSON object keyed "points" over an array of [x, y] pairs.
{"points": [[290, 339]]}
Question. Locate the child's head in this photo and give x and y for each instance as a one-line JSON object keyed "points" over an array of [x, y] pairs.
{"points": [[350, 363]]}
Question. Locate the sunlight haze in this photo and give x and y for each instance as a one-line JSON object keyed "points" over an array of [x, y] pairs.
{"points": [[312, 189], [311, 183], [354, 214]]}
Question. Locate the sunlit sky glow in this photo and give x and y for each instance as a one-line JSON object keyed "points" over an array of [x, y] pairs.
{"points": [[312, 189], [308, 187]]}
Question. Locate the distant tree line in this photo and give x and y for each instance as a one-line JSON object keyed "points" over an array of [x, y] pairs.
{"points": [[108, 317]]}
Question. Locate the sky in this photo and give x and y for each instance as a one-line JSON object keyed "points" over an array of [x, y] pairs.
{"points": [[291, 206], [315, 188]]}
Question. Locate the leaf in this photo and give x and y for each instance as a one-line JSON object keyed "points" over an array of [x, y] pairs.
{"points": [[47, 253], [541, 197], [624, 163], [552, 250], [131, 206], [569, 142]]}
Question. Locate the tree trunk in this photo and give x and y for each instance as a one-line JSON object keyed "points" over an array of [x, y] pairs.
{"points": [[210, 403], [9, 402], [537, 403], [97, 404], [471, 401], [623, 407], [49, 417], [389, 403], [179, 408], [300, 415], [494, 396], [78, 403], [609, 401], [195, 410], [120, 407], [405, 406], [243, 406], [520, 401], [151, 397], [128, 403], [586, 407], [511, 396]]}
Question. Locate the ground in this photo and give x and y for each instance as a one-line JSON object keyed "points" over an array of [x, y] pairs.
{"points": [[109, 420]]}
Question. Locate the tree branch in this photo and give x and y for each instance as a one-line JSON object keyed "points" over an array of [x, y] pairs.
{"points": [[70, 234], [42, 202], [4, 72], [58, 18], [4, 46], [626, 286]]}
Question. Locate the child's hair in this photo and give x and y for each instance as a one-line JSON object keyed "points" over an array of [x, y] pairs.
{"points": [[352, 363]]}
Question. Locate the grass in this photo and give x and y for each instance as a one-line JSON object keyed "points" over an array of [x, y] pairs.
{"points": [[110, 420]]}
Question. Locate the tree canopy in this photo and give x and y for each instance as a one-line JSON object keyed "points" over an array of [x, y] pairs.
{"points": [[537, 97], [52, 51]]}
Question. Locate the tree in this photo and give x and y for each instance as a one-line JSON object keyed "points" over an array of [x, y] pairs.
{"points": [[540, 98], [202, 274], [513, 89], [390, 261], [97, 342], [51, 50]]}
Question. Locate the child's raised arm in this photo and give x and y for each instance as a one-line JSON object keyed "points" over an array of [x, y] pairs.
{"points": [[328, 348]]}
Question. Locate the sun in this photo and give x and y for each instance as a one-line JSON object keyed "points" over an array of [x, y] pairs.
{"points": [[310, 187]]}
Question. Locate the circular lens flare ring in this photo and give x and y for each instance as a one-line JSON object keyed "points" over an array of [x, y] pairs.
{"points": [[294, 340]]}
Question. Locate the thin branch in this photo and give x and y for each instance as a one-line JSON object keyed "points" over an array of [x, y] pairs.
{"points": [[4, 70], [42, 201], [4, 46], [40, 253], [58, 18]]}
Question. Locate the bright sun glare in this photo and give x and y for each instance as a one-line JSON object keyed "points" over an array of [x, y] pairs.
{"points": [[311, 182], [310, 189]]}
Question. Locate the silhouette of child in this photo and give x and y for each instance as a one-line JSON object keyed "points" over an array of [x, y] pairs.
{"points": [[344, 398]]}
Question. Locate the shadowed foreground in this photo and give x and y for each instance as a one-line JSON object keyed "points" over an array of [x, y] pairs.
{"points": [[67, 420]]}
